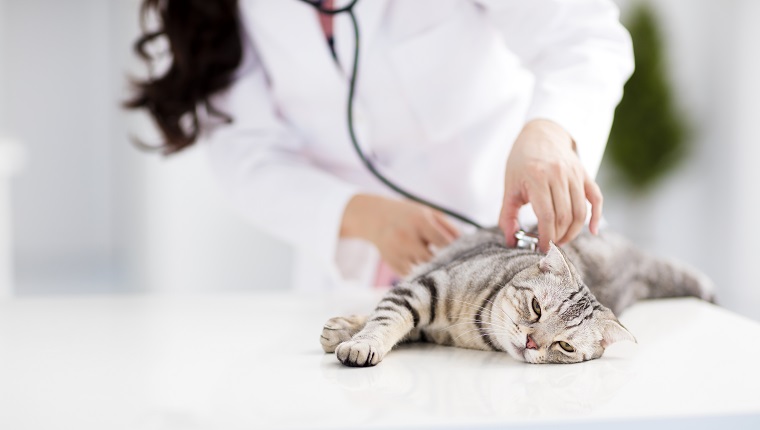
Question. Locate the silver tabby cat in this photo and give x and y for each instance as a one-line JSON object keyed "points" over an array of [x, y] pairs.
{"points": [[477, 293]]}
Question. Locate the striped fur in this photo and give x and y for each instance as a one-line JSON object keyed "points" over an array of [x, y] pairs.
{"points": [[479, 294]]}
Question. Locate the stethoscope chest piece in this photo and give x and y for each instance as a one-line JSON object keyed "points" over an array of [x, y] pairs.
{"points": [[526, 240]]}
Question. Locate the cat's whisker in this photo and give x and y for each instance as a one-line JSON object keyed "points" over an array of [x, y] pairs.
{"points": [[467, 322], [492, 334], [501, 332], [483, 332], [503, 321], [502, 311], [473, 337], [478, 307], [472, 305], [500, 324]]}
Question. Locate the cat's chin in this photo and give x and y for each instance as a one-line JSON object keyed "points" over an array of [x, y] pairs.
{"points": [[517, 352]]}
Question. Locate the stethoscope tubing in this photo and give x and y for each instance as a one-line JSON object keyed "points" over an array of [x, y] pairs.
{"points": [[351, 129]]}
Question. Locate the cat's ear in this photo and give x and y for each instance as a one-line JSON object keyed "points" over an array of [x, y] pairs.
{"points": [[554, 261], [613, 332]]}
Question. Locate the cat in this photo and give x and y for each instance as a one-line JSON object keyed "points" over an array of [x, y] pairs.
{"points": [[477, 293]]}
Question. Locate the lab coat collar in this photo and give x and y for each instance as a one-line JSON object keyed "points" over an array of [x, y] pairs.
{"points": [[297, 28], [369, 14]]}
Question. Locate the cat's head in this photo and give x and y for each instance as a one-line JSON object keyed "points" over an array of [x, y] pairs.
{"points": [[548, 315]]}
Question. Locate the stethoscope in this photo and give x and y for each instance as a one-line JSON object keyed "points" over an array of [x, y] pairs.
{"points": [[524, 240]]}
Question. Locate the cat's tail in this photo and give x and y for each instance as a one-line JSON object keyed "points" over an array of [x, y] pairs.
{"points": [[668, 278], [619, 274]]}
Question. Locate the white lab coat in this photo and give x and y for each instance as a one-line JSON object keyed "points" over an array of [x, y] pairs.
{"points": [[444, 88]]}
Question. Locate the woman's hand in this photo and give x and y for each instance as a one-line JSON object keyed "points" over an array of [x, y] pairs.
{"points": [[403, 231], [544, 170]]}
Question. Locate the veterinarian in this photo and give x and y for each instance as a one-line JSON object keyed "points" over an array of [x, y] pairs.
{"points": [[499, 110]]}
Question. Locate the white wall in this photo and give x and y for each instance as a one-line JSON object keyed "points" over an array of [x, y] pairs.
{"points": [[6, 281], [55, 88], [704, 213], [94, 214], [187, 240], [744, 189], [2, 66], [177, 233]]}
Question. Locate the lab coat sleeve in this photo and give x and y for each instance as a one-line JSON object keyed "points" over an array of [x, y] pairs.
{"points": [[580, 55], [259, 162]]}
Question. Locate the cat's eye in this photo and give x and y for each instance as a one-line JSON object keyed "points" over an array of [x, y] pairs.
{"points": [[566, 346], [536, 308]]}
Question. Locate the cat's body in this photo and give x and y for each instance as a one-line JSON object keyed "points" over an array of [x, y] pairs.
{"points": [[479, 294]]}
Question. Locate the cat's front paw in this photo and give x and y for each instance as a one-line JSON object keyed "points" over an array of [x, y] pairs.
{"points": [[359, 353], [340, 329]]}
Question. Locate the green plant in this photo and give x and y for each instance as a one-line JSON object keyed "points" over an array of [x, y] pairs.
{"points": [[649, 136]]}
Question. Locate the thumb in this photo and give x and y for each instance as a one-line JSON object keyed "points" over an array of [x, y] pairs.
{"points": [[508, 221]]}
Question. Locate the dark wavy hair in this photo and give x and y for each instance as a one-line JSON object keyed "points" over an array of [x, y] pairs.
{"points": [[206, 49]]}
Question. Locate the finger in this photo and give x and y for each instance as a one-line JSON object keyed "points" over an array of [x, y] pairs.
{"points": [[406, 263], [431, 234], [395, 252], [578, 199], [398, 265], [449, 229], [405, 268], [541, 198], [510, 228], [508, 219], [594, 196], [563, 207], [420, 254]]}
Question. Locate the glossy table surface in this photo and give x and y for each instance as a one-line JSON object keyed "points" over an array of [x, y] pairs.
{"points": [[254, 361]]}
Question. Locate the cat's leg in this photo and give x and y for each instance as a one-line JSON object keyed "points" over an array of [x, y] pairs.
{"points": [[340, 329], [402, 310]]}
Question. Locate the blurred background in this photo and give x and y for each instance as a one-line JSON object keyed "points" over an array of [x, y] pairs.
{"points": [[84, 212]]}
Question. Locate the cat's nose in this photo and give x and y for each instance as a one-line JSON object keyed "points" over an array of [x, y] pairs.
{"points": [[531, 344]]}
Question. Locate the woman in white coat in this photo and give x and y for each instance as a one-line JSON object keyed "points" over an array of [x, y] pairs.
{"points": [[499, 110]]}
